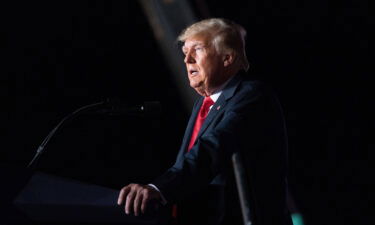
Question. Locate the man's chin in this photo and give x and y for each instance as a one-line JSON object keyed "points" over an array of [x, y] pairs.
{"points": [[194, 84], [198, 87], [200, 90]]}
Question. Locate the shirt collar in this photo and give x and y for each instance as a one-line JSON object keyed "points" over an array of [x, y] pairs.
{"points": [[215, 96]]}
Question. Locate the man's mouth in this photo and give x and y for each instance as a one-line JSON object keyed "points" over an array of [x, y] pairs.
{"points": [[193, 72]]}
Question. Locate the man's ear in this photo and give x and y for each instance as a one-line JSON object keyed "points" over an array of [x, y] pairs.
{"points": [[228, 59]]}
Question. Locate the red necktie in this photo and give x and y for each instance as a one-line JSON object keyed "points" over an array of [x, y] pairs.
{"points": [[203, 112]]}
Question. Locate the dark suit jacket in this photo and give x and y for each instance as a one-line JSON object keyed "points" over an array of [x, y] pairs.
{"points": [[247, 119]]}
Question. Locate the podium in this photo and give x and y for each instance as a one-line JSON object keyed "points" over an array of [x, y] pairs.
{"points": [[42, 198]]}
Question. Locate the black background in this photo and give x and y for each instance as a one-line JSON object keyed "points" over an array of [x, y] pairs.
{"points": [[61, 55]]}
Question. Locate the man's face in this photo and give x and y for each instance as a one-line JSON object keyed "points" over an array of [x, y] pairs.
{"points": [[205, 67]]}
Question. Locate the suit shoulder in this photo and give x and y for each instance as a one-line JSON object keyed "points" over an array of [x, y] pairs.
{"points": [[256, 87]]}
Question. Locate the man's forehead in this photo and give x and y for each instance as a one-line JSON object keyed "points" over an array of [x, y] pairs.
{"points": [[189, 43], [196, 40]]}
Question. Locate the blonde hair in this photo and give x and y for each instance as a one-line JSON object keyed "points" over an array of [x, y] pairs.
{"points": [[226, 36]]}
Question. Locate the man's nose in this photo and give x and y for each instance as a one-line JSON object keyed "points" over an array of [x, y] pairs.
{"points": [[189, 58]]}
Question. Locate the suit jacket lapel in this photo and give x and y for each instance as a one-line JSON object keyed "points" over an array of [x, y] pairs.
{"points": [[189, 128], [216, 108], [220, 104]]}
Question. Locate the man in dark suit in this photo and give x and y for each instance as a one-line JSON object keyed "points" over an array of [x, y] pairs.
{"points": [[234, 114]]}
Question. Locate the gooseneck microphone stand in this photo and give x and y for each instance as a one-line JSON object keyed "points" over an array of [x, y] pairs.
{"points": [[42, 146]]}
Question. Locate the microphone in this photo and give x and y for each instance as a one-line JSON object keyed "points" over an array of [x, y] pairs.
{"points": [[67, 118], [110, 107]]}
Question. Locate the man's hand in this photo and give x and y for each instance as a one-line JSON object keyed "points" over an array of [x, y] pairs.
{"points": [[138, 198]]}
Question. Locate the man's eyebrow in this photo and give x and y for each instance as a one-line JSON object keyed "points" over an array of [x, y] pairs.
{"points": [[198, 43], [192, 46]]}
